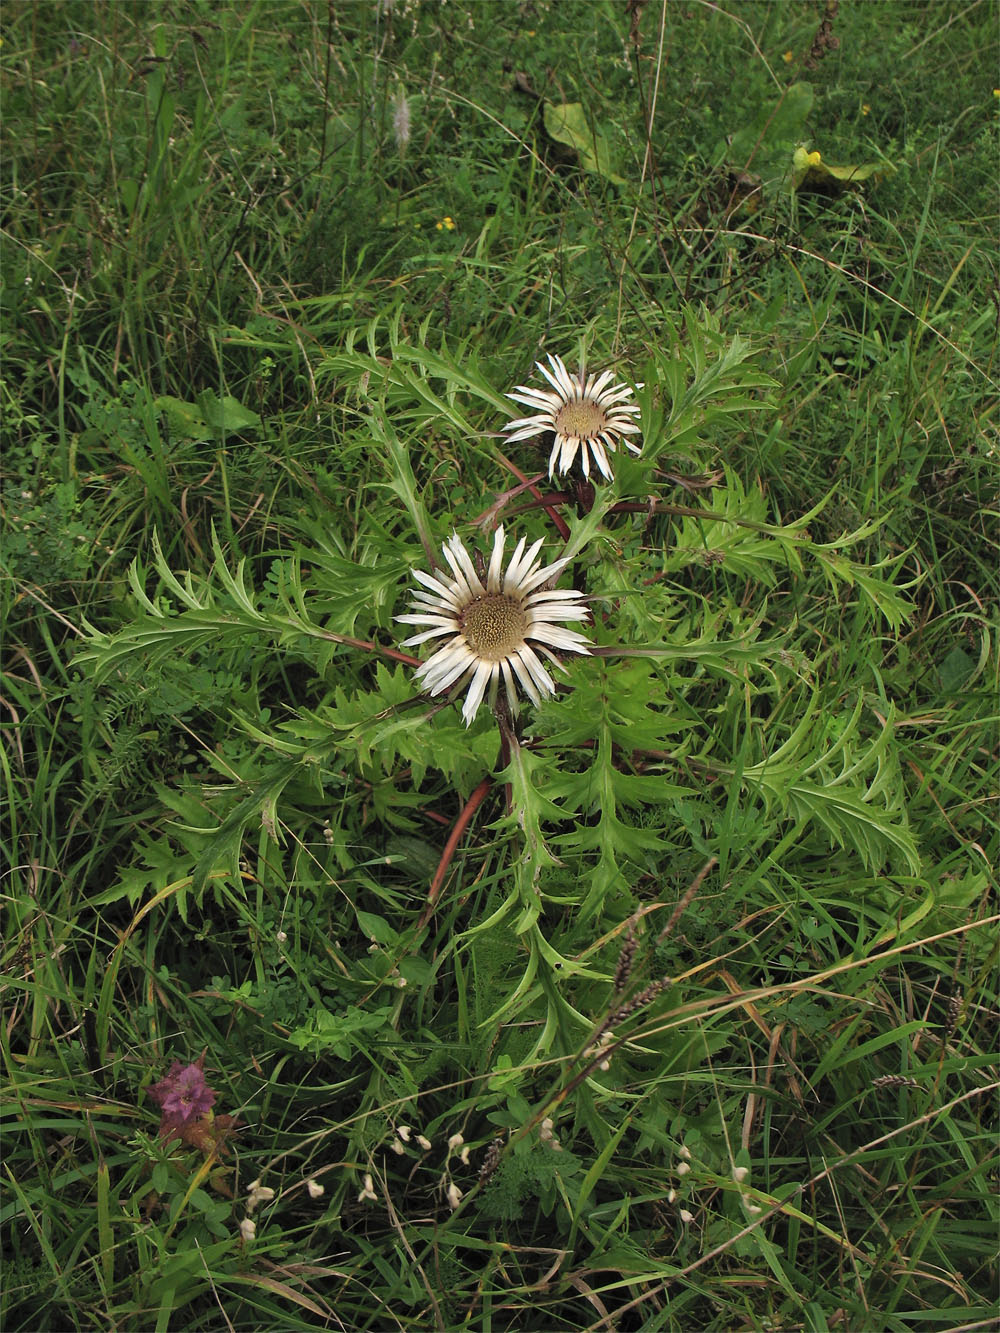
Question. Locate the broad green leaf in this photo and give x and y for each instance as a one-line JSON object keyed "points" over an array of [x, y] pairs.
{"points": [[810, 171], [766, 145], [208, 418], [567, 124]]}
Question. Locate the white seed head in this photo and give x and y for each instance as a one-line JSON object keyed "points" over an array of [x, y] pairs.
{"points": [[401, 121]]}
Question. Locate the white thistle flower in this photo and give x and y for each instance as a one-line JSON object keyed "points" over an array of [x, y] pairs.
{"points": [[588, 414], [497, 628]]}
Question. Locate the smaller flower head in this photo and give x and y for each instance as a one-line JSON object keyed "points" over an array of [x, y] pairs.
{"points": [[182, 1095], [316, 1190], [258, 1193], [588, 414], [248, 1230], [368, 1190], [454, 1196]]}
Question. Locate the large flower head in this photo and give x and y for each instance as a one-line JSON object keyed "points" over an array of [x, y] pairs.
{"points": [[494, 630], [588, 413]]}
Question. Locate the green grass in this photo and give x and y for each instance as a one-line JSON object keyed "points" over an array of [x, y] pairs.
{"points": [[703, 971]]}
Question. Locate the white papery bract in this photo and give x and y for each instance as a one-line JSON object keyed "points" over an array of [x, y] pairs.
{"points": [[495, 630], [589, 415]]}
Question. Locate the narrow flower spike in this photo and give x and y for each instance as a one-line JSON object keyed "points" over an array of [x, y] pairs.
{"points": [[496, 629], [588, 414]]}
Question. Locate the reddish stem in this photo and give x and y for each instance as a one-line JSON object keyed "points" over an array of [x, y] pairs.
{"points": [[556, 518], [450, 847], [370, 647]]}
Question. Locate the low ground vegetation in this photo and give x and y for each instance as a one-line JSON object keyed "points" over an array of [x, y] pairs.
{"points": [[668, 1002]]}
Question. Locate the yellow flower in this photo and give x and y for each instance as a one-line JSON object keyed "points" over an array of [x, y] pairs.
{"points": [[865, 108], [446, 224], [814, 159], [788, 57]]}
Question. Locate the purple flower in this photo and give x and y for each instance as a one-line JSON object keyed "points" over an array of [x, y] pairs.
{"points": [[183, 1095]]}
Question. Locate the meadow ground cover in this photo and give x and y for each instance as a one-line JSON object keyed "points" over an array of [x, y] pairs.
{"points": [[408, 926]]}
